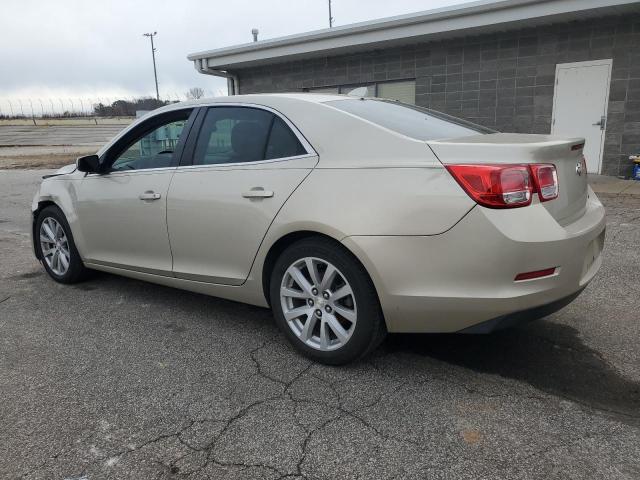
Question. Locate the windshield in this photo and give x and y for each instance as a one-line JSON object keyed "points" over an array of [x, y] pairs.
{"points": [[415, 122]]}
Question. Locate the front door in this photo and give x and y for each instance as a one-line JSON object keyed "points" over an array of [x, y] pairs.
{"points": [[580, 106], [246, 163], [122, 212]]}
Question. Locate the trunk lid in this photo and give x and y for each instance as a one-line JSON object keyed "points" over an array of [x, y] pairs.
{"points": [[515, 148]]}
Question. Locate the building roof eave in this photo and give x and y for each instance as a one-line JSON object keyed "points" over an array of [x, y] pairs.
{"points": [[471, 18]]}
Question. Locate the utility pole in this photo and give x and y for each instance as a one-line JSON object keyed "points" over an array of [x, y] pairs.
{"points": [[153, 55], [330, 16]]}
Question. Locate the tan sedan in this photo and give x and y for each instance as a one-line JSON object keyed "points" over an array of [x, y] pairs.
{"points": [[349, 217]]}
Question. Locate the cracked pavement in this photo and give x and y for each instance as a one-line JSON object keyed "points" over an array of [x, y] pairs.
{"points": [[116, 378]]}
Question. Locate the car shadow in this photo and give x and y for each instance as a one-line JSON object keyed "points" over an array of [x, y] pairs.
{"points": [[548, 356]]}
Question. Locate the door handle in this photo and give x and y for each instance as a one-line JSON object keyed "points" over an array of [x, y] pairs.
{"points": [[258, 192], [149, 195], [601, 123]]}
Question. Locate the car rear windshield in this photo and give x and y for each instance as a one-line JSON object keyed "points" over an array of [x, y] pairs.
{"points": [[415, 122]]}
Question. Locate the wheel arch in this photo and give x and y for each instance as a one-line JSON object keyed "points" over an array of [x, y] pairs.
{"points": [[290, 238], [42, 204]]}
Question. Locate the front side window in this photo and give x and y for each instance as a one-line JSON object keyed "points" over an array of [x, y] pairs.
{"points": [[415, 122], [244, 134], [154, 149]]}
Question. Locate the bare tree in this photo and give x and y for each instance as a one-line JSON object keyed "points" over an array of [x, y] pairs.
{"points": [[195, 93]]}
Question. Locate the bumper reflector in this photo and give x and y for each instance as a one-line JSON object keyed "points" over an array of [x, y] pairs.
{"points": [[537, 274]]}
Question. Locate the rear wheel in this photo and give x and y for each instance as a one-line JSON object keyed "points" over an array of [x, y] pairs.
{"points": [[56, 247], [325, 302]]}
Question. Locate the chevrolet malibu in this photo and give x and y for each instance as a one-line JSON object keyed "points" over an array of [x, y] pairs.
{"points": [[349, 217]]}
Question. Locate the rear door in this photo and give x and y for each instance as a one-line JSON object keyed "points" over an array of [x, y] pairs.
{"points": [[243, 166]]}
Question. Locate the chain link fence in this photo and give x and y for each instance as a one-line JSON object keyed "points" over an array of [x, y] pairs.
{"points": [[68, 107]]}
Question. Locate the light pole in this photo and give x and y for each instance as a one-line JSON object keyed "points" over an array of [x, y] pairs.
{"points": [[153, 55], [330, 16]]}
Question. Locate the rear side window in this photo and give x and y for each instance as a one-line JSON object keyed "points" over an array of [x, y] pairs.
{"points": [[415, 122], [243, 134], [283, 142]]}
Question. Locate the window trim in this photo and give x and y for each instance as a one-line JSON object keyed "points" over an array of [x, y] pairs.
{"points": [[187, 157], [219, 166], [136, 133]]}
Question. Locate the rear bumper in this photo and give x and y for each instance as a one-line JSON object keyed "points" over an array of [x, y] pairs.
{"points": [[517, 318], [459, 279]]}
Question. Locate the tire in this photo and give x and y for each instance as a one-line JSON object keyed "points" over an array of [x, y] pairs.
{"points": [[344, 326], [55, 222]]}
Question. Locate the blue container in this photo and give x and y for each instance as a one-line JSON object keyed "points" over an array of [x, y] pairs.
{"points": [[636, 172]]}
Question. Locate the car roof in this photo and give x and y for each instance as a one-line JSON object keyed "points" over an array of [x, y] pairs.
{"points": [[258, 98]]}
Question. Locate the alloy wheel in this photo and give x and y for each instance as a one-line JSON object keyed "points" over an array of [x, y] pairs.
{"points": [[54, 246], [318, 304]]}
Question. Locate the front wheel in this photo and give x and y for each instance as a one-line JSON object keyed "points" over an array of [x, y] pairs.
{"points": [[56, 247], [325, 302]]}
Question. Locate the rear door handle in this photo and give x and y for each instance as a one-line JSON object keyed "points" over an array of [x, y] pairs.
{"points": [[149, 195], [258, 192]]}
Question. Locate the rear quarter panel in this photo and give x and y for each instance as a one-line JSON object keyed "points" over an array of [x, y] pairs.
{"points": [[375, 201]]}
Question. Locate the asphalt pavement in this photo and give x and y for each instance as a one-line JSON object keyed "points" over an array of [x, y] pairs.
{"points": [[116, 378]]}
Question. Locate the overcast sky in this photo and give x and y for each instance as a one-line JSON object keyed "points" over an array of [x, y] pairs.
{"points": [[52, 49]]}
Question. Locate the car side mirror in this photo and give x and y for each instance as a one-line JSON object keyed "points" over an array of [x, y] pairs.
{"points": [[88, 164]]}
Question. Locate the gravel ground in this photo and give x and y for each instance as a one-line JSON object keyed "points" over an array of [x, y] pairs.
{"points": [[116, 378], [29, 146], [29, 135]]}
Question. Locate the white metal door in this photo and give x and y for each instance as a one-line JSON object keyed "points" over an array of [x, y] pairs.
{"points": [[580, 106]]}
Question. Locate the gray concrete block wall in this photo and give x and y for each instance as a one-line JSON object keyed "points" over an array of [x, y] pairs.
{"points": [[504, 81]]}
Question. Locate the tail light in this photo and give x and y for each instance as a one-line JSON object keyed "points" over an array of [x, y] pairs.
{"points": [[506, 186], [495, 186], [546, 179]]}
